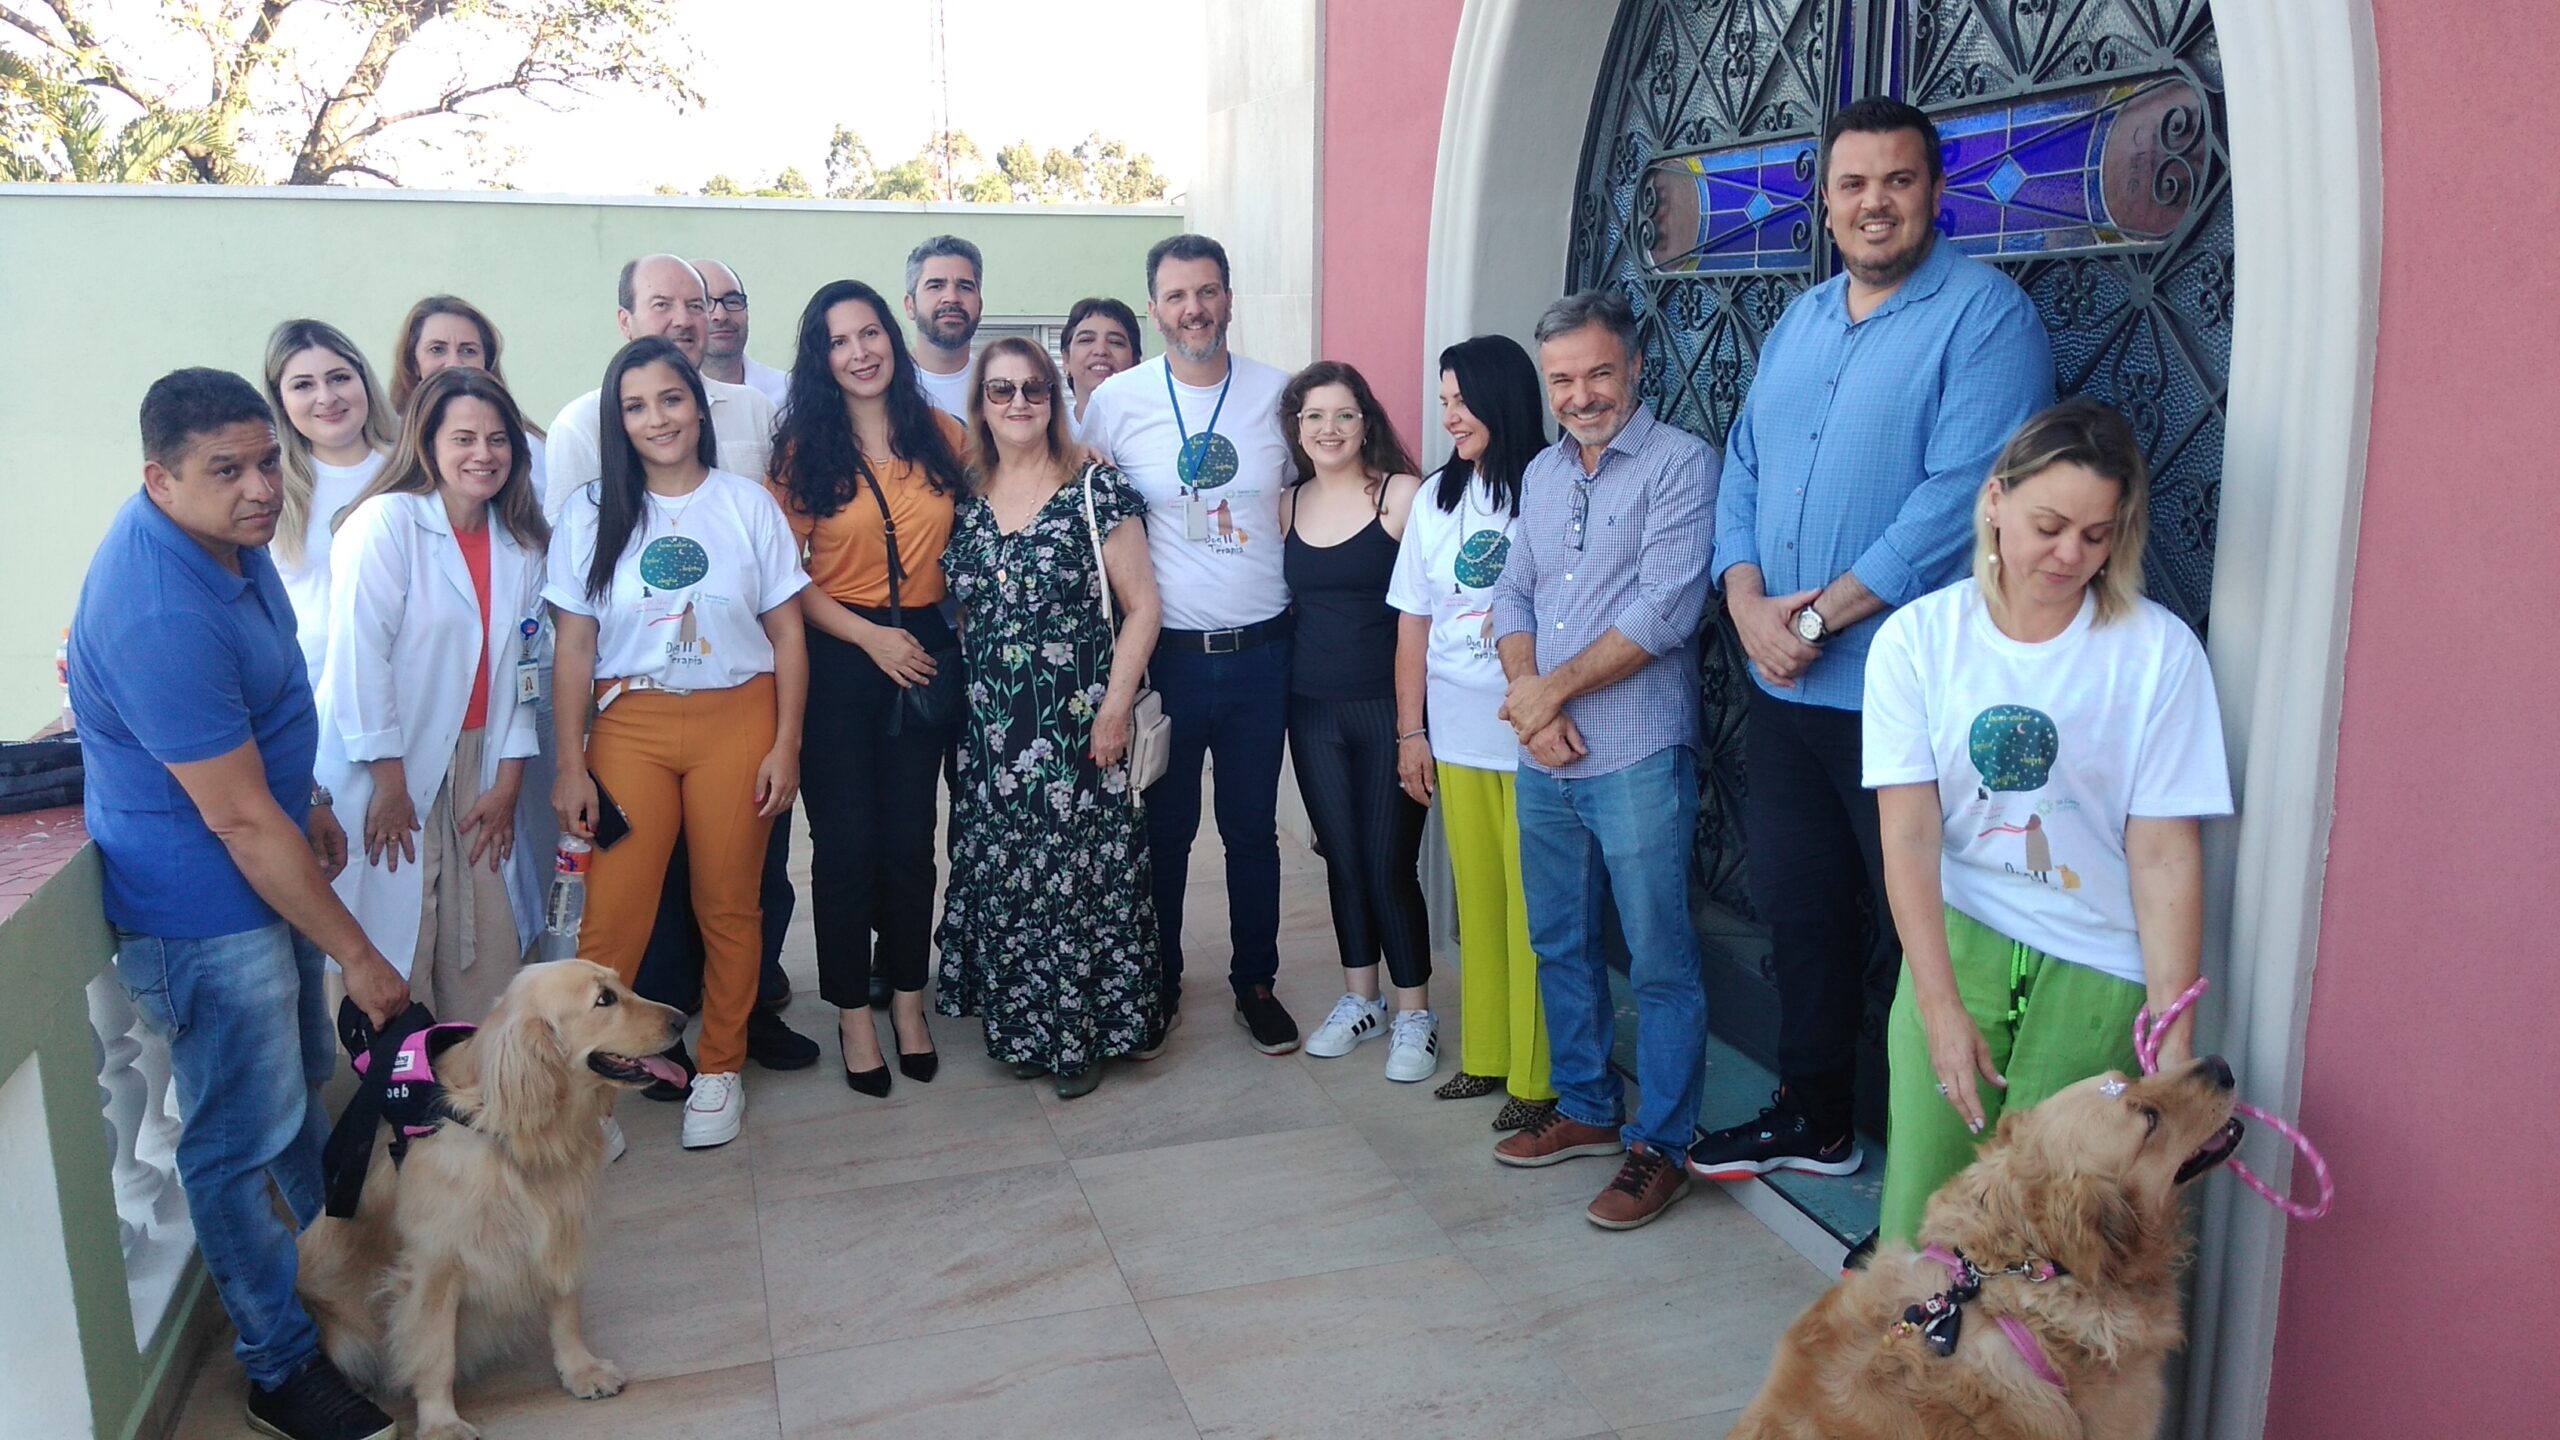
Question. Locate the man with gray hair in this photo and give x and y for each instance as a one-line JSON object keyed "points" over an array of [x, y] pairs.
{"points": [[943, 306], [659, 295], [724, 337], [1594, 620]]}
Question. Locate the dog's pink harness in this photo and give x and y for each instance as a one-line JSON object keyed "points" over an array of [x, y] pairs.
{"points": [[1938, 1318], [412, 1099]]}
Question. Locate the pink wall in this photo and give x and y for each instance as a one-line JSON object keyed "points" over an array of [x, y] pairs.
{"points": [[1386, 72], [2427, 1302]]}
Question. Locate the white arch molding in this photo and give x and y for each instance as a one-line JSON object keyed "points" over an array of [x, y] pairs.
{"points": [[2303, 104]]}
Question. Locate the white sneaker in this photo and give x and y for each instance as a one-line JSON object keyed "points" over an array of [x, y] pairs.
{"points": [[715, 1110], [1413, 1051], [1352, 1021], [614, 1143]]}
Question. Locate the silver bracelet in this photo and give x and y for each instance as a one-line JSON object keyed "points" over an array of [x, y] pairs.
{"points": [[1413, 734], [321, 798]]}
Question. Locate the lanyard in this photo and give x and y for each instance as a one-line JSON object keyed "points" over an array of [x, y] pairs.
{"points": [[1187, 465]]}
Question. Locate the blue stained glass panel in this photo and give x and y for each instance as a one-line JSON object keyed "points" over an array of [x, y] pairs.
{"points": [[2108, 166], [1748, 209]]}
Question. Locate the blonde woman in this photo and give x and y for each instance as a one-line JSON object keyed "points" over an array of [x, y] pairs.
{"points": [[337, 431], [2043, 743], [425, 721]]}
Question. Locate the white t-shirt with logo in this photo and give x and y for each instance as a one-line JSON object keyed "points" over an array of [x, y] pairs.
{"points": [[306, 582], [2040, 753], [1446, 567], [687, 602], [948, 393], [1230, 576]]}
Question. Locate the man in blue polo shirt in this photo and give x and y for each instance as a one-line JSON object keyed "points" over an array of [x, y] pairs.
{"points": [[1850, 475], [197, 732]]}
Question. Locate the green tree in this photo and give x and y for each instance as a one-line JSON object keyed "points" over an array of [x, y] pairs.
{"points": [[52, 130], [312, 91], [851, 175]]}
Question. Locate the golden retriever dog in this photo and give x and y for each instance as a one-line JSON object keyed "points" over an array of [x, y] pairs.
{"points": [[2088, 1182], [453, 1253]]}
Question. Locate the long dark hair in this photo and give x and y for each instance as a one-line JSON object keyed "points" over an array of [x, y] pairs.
{"points": [[1382, 451], [620, 494], [1499, 382], [816, 454], [412, 467]]}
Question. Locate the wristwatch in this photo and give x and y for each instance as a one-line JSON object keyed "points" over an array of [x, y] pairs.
{"points": [[320, 797], [1810, 626]]}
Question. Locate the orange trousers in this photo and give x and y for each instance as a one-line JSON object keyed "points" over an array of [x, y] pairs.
{"points": [[686, 763]]}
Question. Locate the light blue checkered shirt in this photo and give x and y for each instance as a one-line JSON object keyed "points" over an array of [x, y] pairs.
{"points": [[1860, 447], [1641, 567]]}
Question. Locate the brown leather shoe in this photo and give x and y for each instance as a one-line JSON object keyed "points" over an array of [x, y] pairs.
{"points": [[1551, 1138], [1645, 1187]]}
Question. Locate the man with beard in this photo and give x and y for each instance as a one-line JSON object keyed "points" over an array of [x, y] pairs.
{"points": [[724, 338], [1596, 622], [1197, 431], [943, 307], [1849, 485]]}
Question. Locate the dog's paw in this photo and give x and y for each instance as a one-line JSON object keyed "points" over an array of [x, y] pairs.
{"points": [[454, 1429], [592, 1379]]}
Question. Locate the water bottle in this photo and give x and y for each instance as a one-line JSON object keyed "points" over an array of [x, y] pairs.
{"points": [[62, 676], [568, 904]]}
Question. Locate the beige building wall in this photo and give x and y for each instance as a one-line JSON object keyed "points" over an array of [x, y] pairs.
{"points": [[108, 288], [1257, 191]]}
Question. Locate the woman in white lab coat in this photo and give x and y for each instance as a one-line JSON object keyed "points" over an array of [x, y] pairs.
{"points": [[425, 705]]}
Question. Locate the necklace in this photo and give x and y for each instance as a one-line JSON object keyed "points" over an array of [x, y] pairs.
{"points": [[675, 512]]}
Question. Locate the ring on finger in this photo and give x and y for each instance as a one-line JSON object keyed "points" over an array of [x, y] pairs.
{"points": [[1942, 1087]]}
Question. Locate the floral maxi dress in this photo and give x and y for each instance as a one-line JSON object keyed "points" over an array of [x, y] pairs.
{"points": [[1048, 922]]}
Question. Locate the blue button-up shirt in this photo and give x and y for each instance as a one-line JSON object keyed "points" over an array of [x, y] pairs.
{"points": [[1861, 446], [1624, 547]]}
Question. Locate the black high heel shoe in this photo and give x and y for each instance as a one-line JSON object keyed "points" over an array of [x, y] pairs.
{"points": [[874, 1083], [920, 1068]]}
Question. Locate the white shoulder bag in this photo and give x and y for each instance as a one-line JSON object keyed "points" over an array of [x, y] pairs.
{"points": [[1150, 733]]}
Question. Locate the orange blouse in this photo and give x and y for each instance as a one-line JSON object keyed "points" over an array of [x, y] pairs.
{"points": [[848, 556]]}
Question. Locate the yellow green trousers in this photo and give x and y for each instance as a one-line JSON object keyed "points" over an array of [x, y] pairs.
{"points": [[1502, 1026]]}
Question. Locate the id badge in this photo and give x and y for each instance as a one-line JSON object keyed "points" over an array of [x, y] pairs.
{"points": [[528, 682], [1195, 516]]}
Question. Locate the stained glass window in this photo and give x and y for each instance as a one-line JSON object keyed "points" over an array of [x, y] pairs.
{"points": [[2098, 168], [1746, 209]]}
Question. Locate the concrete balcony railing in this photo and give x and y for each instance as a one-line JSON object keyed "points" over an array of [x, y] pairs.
{"points": [[99, 1257]]}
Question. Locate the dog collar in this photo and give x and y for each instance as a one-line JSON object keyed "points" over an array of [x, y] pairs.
{"points": [[1939, 1319]]}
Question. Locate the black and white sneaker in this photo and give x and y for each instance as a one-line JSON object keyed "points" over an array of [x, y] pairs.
{"points": [[1260, 1011], [1156, 1038], [317, 1404], [1352, 1021], [1778, 1138]]}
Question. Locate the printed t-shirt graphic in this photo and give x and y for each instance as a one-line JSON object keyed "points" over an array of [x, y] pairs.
{"points": [[1214, 541]]}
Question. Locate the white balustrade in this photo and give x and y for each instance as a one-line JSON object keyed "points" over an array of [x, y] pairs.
{"points": [[142, 1137]]}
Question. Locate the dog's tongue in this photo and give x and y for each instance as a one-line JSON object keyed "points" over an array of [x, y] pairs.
{"points": [[662, 1068]]}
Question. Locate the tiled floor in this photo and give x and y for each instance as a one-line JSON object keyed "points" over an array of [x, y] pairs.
{"points": [[1216, 1244]]}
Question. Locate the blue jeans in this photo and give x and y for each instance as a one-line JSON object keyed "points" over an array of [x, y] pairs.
{"points": [[1624, 834], [239, 1011], [1234, 707]]}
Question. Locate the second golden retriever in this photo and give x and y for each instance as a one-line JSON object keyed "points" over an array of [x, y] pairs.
{"points": [[483, 1228], [2088, 1182]]}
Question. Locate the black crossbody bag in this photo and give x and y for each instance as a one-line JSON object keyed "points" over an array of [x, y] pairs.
{"points": [[943, 701]]}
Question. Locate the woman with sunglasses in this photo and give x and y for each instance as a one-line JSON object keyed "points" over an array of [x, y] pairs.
{"points": [[1048, 925], [867, 471]]}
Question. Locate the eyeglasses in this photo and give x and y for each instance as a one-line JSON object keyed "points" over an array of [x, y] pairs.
{"points": [[734, 300], [1581, 514], [1001, 392]]}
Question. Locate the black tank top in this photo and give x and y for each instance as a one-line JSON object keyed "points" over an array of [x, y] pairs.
{"points": [[1346, 642]]}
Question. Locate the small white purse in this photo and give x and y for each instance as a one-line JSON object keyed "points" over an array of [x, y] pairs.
{"points": [[1150, 733]]}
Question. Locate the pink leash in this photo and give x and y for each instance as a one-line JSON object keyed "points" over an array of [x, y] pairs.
{"points": [[2146, 1046]]}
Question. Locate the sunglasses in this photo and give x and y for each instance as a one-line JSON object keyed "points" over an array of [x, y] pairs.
{"points": [[1001, 392]]}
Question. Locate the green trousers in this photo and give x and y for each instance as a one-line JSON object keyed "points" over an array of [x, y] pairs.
{"points": [[1502, 1027], [2048, 1023]]}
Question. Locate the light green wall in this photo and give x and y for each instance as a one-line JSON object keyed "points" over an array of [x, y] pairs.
{"points": [[106, 290]]}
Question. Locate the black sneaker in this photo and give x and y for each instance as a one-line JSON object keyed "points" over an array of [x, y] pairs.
{"points": [[1274, 1033], [1157, 1037], [777, 1046], [660, 1089], [1860, 1253], [317, 1404], [1778, 1138]]}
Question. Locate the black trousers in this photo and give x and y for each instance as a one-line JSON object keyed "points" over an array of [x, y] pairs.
{"points": [[871, 811], [671, 968], [1813, 832], [1370, 830]]}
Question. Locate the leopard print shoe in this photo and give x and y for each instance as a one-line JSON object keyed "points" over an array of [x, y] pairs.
{"points": [[1463, 1086], [1517, 1114]]}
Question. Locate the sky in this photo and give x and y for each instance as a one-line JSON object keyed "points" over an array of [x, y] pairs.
{"points": [[778, 76]]}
